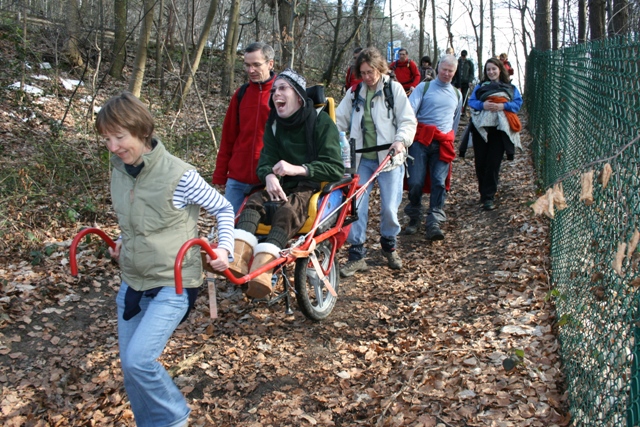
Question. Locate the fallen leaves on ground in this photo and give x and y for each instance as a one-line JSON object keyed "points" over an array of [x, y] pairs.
{"points": [[423, 346]]}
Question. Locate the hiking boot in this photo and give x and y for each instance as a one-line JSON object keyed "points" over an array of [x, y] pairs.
{"points": [[488, 205], [412, 228], [434, 233], [393, 259], [351, 267]]}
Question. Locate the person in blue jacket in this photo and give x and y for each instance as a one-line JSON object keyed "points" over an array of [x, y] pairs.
{"points": [[495, 127]]}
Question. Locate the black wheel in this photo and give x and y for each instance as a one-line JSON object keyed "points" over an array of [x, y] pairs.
{"points": [[314, 299]]}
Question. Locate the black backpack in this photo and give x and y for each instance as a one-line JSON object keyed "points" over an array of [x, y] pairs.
{"points": [[241, 92], [386, 91]]}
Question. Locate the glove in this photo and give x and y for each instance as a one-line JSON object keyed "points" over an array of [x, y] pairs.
{"points": [[395, 161]]}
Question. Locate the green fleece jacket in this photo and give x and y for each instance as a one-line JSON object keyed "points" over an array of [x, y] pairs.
{"points": [[291, 145]]}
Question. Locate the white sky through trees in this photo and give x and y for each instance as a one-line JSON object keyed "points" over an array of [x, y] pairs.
{"points": [[405, 15]]}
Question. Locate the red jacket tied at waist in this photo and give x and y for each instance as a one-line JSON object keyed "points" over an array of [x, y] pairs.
{"points": [[425, 135]]}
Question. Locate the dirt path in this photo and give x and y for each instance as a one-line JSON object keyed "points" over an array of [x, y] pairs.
{"points": [[421, 347]]}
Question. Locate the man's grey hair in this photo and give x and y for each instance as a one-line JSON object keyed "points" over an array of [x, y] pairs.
{"points": [[267, 50], [449, 59]]}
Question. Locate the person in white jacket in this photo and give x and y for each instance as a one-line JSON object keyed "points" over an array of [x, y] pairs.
{"points": [[377, 116]]}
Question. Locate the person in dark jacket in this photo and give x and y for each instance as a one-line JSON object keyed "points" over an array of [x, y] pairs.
{"points": [[427, 73], [243, 127], [301, 150]]}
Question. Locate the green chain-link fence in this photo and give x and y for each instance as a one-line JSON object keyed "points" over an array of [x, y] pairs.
{"points": [[584, 112]]}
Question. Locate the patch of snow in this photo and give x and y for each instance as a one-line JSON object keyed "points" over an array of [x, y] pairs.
{"points": [[27, 88], [69, 84]]}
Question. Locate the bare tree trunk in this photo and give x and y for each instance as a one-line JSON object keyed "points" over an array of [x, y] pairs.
{"points": [[542, 30], [328, 72], [597, 19], [337, 53], [188, 28], [171, 25], [448, 22], [139, 65], [492, 24], [193, 69], [391, 28], [517, 63], [192, 33], [23, 57], [422, 12], [120, 39], [555, 23], [160, 48], [523, 23], [477, 34], [357, 20], [228, 84], [305, 28], [620, 16], [582, 21], [481, 42], [435, 34], [369, 18], [287, 18], [101, 25], [73, 23]]}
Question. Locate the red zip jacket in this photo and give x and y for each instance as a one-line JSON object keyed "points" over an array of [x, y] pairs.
{"points": [[407, 73], [241, 139], [351, 81]]}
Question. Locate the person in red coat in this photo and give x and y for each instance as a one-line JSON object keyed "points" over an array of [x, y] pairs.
{"points": [[506, 63], [351, 81], [244, 125], [406, 71]]}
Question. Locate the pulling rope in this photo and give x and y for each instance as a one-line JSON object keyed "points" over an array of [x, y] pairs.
{"points": [[356, 195]]}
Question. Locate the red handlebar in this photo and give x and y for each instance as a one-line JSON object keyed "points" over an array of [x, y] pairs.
{"points": [[76, 240], [177, 267]]}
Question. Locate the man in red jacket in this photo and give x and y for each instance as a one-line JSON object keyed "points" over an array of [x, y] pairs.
{"points": [[244, 125], [351, 80], [406, 71]]}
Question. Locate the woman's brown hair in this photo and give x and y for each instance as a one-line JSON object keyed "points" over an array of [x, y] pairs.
{"points": [[504, 75], [374, 58], [127, 112]]}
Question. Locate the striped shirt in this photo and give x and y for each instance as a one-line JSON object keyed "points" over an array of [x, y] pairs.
{"points": [[193, 190]]}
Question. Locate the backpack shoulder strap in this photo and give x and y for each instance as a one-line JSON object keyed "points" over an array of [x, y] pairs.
{"points": [[241, 92], [425, 88], [355, 93], [388, 95]]}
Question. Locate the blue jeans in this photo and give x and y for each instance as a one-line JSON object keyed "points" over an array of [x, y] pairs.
{"points": [[155, 399], [427, 157], [390, 184], [234, 193]]}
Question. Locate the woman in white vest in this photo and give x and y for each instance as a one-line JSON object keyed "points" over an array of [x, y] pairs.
{"points": [[157, 198], [378, 117]]}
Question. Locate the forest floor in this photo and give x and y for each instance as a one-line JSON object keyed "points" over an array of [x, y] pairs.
{"points": [[423, 346]]}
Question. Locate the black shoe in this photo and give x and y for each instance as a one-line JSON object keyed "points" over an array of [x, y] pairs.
{"points": [[488, 205], [412, 228], [434, 233]]}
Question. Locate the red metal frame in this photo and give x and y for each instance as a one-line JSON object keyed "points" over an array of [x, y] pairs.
{"points": [[355, 191], [76, 240]]}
